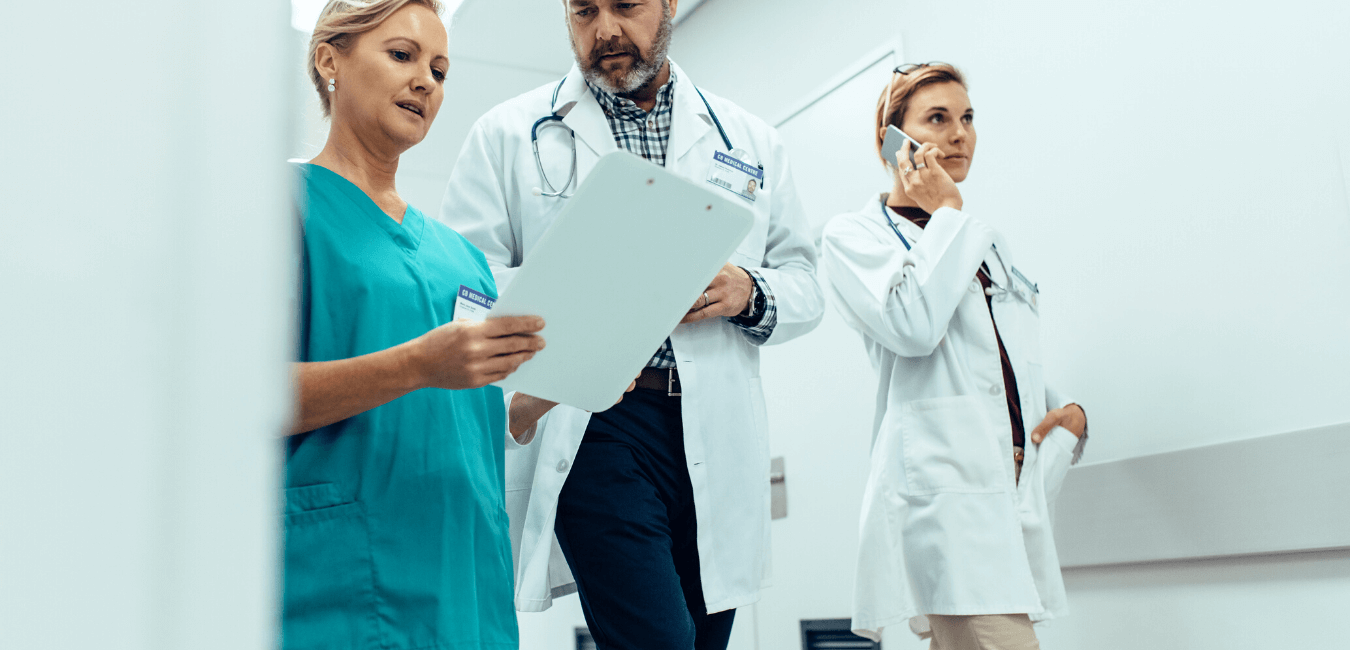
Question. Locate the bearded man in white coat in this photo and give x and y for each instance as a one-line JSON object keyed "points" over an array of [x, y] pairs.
{"points": [[657, 510]]}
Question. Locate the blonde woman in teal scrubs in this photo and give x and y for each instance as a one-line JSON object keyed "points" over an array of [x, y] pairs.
{"points": [[395, 522]]}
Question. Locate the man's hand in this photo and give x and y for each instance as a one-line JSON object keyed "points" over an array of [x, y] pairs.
{"points": [[728, 295], [526, 410], [631, 386], [1070, 417]]}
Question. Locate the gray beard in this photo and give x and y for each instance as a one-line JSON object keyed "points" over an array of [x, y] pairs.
{"points": [[642, 72]]}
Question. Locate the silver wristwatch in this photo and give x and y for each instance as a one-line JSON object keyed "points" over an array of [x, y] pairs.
{"points": [[754, 299]]}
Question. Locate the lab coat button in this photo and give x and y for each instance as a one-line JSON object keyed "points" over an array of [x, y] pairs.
{"points": [[974, 286], [562, 466], [994, 390]]}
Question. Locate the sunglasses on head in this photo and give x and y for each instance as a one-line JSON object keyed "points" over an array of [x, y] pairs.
{"points": [[911, 67]]}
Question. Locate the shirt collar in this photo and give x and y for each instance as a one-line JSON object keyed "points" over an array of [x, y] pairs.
{"points": [[620, 107]]}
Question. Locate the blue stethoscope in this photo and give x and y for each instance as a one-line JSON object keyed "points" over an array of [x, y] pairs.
{"points": [[995, 289], [554, 118]]}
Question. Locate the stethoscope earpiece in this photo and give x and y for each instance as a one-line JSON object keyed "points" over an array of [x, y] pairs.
{"points": [[998, 293]]}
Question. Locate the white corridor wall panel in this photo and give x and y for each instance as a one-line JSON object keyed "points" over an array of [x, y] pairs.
{"points": [[147, 261], [1190, 290], [1176, 177], [830, 134], [820, 390]]}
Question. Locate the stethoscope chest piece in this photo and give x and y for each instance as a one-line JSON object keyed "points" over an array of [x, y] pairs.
{"points": [[547, 188], [555, 120]]}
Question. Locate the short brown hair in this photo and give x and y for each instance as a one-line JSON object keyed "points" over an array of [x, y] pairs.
{"points": [[342, 21], [901, 88]]}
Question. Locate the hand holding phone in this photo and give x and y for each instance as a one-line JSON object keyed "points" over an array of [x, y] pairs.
{"points": [[895, 138], [928, 184]]}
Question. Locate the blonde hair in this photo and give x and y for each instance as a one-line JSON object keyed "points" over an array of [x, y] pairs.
{"points": [[342, 21], [894, 100]]}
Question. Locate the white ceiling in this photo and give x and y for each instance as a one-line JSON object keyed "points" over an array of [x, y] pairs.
{"points": [[526, 34], [687, 8], [304, 13]]}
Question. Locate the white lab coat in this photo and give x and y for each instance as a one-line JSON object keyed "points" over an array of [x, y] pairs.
{"points": [[490, 201], [944, 527]]}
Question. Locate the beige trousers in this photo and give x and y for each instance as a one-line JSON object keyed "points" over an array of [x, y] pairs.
{"points": [[988, 632]]}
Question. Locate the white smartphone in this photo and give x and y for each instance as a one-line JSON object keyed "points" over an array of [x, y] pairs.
{"points": [[895, 138]]}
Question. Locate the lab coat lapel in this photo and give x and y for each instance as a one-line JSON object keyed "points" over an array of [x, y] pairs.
{"points": [[691, 121], [583, 114], [909, 229], [992, 260]]}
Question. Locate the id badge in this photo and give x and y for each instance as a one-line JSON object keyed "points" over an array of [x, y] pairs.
{"points": [[1027, 289], [735, 176], [471, 304]]}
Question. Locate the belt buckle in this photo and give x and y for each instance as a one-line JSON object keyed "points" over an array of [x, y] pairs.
{"points": [[672, 384]]}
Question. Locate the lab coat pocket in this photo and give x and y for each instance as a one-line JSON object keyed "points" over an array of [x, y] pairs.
{"points": [[750, 254], [757, 404], [328, 594], [1031, 387], [1030, 335], [761, 426], [747, 258], [1056, 454], [948, 446]]}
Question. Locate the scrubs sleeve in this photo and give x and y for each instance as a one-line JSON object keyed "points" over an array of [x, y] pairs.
{"points": [[903, 299], [476, 207]]}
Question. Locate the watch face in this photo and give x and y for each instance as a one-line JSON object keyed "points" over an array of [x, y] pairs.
{"points": [[755, 299]]}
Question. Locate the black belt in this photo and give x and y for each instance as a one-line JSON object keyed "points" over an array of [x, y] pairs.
{"points": [[666, 380]]}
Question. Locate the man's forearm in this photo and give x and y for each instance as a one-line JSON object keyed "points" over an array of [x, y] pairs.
{"points": [[525, 413]]}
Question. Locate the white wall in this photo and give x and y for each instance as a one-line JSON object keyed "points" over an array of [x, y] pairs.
{"points": [[145, 268], [1116, 149], [1122, 143], [425, 169], [1251, 603]]}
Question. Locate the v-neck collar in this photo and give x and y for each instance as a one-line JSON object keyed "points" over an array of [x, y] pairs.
{"points": [[908, 228], [408, 235]]}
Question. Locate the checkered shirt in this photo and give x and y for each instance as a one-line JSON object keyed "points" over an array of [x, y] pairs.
{"points": [[648, 135]]}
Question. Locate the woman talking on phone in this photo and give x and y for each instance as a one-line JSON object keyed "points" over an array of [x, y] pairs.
{"points": [[970, 446]]}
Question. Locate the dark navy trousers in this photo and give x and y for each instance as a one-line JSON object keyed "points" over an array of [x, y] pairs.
{"points": [[626, 525]]}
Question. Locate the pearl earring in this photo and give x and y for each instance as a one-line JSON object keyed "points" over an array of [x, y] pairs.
{"points": [[332, 85]]}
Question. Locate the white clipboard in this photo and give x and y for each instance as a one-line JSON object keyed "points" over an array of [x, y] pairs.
{"points": [[627, 257]]}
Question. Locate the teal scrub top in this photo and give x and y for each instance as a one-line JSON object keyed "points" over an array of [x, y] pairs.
{"points": [[395, 519]]}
